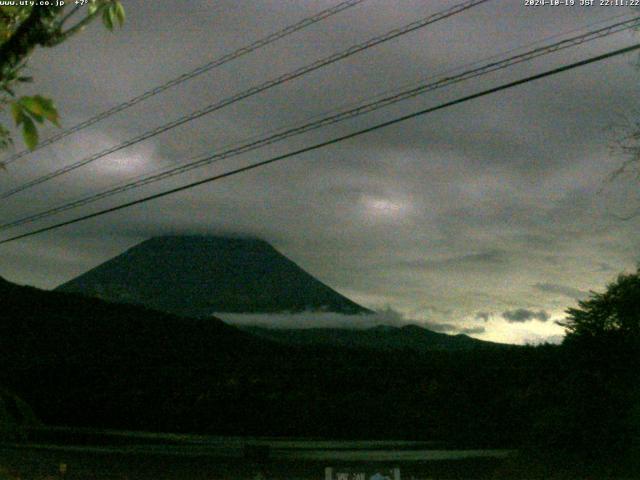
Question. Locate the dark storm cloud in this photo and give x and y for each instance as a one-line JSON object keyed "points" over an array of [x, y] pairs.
{"points": [[484, 316], [489, 258], [462, 210], [524, 315]]}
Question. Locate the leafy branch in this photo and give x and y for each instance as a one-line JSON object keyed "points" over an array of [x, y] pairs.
{"points": [[24, 28]]}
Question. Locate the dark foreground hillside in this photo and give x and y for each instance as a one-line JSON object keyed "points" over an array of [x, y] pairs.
{"points": [[85, 362]]}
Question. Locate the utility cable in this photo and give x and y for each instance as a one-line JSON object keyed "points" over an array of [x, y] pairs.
{"points": [[333, 141], [188, 76], [251, 92], [332, 119]]}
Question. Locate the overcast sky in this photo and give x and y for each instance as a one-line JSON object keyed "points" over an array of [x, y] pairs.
{"points": [[491, 217]]}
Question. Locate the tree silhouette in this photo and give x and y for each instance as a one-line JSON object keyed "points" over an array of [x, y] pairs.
{"points": [[602, 349], [614, 313]]}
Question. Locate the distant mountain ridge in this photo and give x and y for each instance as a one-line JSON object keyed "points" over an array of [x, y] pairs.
{"points": [[383, 337], [200, 275]]}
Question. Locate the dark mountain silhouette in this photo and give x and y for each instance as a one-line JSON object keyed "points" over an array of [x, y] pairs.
{"points": [[383, 337], [84, 362], [75, 358], [201, 275]]}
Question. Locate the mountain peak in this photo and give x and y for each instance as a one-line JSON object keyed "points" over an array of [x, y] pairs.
{"points": [[211, 239], [199, 275]]}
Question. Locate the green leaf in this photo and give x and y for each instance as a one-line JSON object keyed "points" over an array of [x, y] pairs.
{"points": [[32, 105], [30, 133], [107, 18], [49, 110], [93, 7], [112, 14], [119, 12], [16, 111], [38, 108], [36, 116]]}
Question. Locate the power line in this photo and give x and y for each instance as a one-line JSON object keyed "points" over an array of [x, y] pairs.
{"points": [[335, 140], [253, 91], [361, 109], [335, 118], [306, 22]]}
